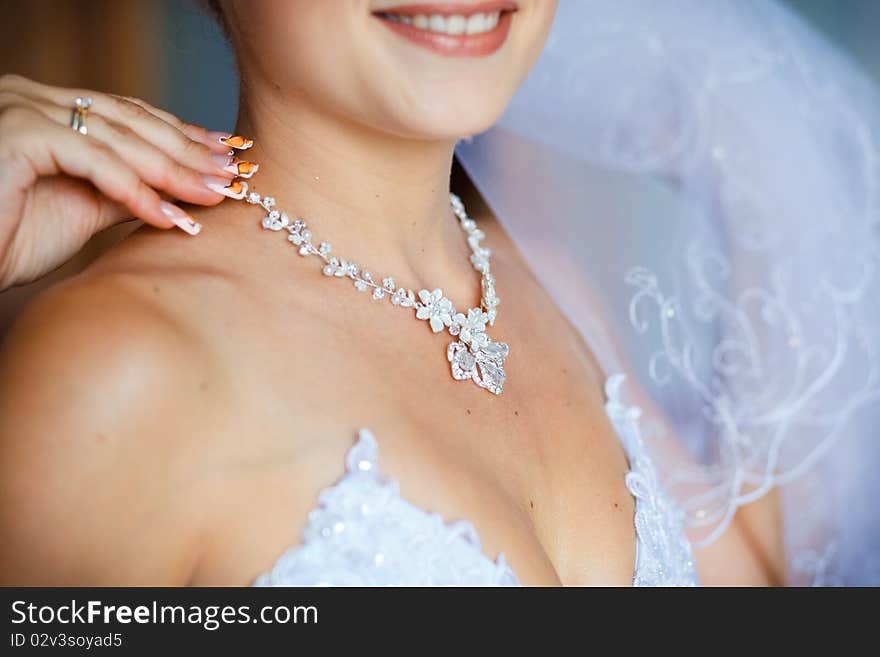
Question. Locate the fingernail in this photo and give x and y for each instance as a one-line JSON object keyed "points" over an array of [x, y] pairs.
{"points": [[237, 142], [217, 135], [241, 168], [222, 161], [234, 189], [214, 139], [180, 218]]}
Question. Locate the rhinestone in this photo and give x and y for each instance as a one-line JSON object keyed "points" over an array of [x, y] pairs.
{"points": [[409, 301], [479, 263], [473, 356]]}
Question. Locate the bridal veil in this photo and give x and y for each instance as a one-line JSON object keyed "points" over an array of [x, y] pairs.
{"points": [[696, 184]]}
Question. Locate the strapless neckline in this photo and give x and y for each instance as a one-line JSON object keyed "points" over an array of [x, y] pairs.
{"points": [[363, 532]]}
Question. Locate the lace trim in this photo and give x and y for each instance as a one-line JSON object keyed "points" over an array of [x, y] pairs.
{"points": [[363, 533], [663, 552]]}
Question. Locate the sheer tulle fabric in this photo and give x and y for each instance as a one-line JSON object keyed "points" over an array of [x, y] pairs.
{"points": [[696, 183]]}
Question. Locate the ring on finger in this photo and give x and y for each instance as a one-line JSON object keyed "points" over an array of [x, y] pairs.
{"points": [[79, 114]]}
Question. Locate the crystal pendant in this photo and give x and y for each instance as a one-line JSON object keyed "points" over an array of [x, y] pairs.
{"points": [[484, 365]]}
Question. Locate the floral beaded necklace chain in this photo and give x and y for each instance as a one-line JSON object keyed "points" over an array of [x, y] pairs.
{"points": [[472, 354]]}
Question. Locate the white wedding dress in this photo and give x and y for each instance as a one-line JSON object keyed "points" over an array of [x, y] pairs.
{"points": [[363, 533]]}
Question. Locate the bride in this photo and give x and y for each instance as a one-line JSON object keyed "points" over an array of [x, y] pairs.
{"points": [[342, 373]]}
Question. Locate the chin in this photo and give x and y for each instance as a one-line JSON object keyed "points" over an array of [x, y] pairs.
{"points": [[461, 114]]}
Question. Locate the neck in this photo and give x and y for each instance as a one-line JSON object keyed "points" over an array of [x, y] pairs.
{"points": [[382, 200]]}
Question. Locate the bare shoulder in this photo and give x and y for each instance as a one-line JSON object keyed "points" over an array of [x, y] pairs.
{"points": [[94, 398]]}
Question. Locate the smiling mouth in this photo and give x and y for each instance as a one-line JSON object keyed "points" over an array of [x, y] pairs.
{"points": [[452, 29]]}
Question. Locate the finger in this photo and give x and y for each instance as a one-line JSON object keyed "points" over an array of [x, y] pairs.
{"points": [[214, 139], [218, 140], [50, 149], [167, 135], [178, 139], [152, 165], [155, 167], [209, 157]]}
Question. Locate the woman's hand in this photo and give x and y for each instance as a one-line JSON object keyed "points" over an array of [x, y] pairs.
{"points": [[59, 187]]}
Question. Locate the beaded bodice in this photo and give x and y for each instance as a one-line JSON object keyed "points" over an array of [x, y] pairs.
{"points": [[363, 533]]}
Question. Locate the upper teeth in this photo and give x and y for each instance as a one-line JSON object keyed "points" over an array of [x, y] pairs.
{"points": [[454, 24]]}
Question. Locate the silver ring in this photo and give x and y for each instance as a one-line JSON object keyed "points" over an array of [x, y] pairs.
{"points": [[80, 114]]}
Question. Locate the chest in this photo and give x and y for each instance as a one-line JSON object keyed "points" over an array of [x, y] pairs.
{"points": [[538, 470]]}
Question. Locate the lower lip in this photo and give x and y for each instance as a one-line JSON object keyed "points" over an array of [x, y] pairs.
{"points": [[459, 45]]}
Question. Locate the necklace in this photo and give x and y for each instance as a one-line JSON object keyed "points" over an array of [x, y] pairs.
{"points": [[472, 354]]}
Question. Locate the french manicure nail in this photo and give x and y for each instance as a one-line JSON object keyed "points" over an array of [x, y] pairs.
{"points": [[214, 139], [234, 189], [242, 168], [180, 218], [217, 135], [237, 142], [223, 161]]}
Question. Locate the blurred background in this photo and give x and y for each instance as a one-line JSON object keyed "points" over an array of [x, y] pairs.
{"points": [[170, 53]]}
